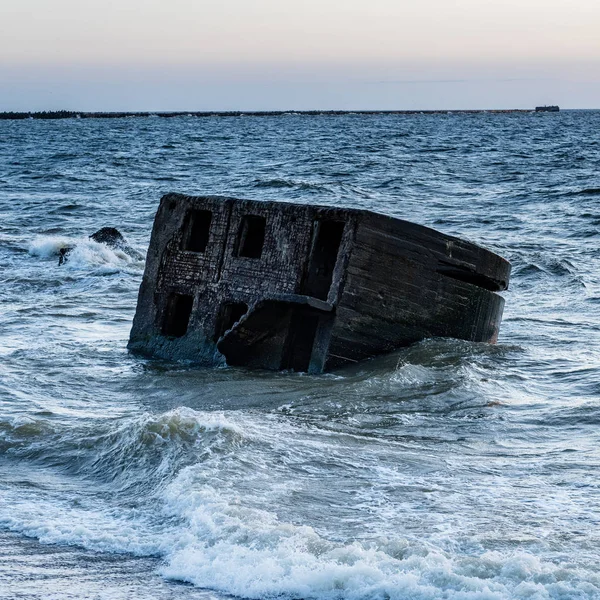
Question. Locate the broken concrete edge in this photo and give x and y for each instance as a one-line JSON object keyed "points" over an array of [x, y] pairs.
{"points": [[242, 334]]}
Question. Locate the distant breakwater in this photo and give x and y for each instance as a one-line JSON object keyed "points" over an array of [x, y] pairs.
{"points": [[67, 114]]}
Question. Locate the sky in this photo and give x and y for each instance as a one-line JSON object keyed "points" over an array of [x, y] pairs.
{"points": [[289, 55]]}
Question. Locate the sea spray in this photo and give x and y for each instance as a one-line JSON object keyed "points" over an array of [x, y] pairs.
{"points": [[84, 254]]}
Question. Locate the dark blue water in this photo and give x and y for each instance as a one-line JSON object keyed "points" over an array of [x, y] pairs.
{"points": [[446, 470]]}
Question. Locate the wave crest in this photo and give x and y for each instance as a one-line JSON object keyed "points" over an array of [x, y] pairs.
{"points": [[251, 554], [85, 254]]}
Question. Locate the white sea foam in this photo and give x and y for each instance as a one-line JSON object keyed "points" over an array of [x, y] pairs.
{"points": [[47, 246], [85, 254], [250, 553], [220, 544], [54, 521], [210, 534]]}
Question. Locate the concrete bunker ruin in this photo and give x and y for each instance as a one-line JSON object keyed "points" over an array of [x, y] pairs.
{"points": [[277, 285]]}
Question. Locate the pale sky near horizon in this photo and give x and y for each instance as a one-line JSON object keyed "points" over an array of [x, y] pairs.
{"points": [[315, 54]]}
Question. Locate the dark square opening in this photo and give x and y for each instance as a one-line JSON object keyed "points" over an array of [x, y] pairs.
{"points": [[300, 341], [327, 238], [196, 230], [251, 236], [177, 315], [229, 314]]}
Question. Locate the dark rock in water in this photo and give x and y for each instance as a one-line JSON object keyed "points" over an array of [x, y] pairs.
{"points": [[113, 238], [63, 254], [307, 288], [109, 236]]}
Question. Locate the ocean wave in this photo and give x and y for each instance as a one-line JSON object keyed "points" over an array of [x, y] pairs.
{"points": [[65, 208], [53, 177], [151, 447], [213, 540], [585, 192], [75, 521], [290, 183], [20, 430], [544, 265], [47, 246], [129, 453], [252, 554], [211, 533], [86, 254]]}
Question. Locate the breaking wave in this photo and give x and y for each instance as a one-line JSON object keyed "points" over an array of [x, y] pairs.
{"points": [[208, 531], [256, 556], [214, 541], [85, 254], [139, 450]]}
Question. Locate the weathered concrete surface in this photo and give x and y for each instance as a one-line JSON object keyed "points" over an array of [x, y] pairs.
{"points": [[303, 287]]}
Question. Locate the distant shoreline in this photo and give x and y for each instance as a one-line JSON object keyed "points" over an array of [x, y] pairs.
{"points": [[66, 114]]}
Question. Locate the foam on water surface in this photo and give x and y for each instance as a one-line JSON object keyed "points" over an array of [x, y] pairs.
{"points": [[444, 470], [85, 254], [222, 545], [209, 530]]}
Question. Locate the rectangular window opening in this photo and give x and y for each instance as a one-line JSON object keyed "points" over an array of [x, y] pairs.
{"points": [[229, 314], [177, 315], [251, 236], [300, 341], [323, 258], [196, 230]]}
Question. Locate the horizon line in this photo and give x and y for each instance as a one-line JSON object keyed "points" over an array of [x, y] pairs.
{"points": [[67, 114]]}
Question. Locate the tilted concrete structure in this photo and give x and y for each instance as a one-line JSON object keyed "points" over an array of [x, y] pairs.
{"points": [[309, 288]]}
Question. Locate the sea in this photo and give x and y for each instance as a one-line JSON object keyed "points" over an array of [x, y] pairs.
{"points": [[445, 470]]}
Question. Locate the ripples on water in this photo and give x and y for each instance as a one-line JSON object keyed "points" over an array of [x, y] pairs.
{"points": [[446, 470]]}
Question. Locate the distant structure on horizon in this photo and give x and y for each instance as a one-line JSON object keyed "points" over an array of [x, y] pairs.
{"points": [[552, 108], [303, 287]]}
